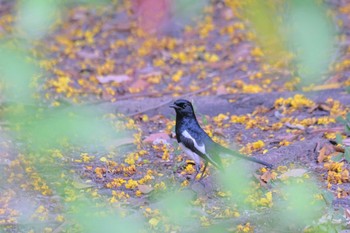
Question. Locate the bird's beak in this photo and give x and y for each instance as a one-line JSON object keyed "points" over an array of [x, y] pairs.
{"points": [[174, 106]]}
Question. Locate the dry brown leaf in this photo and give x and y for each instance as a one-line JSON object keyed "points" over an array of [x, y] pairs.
{"points": [[266, 177], [113, 78], [138, 85], [152, 138], [298, 172], [296, 126], [145, 188], [219, 132], [326, 86], [323, 107], [150, 74], [156, 118], [339, 149], [346, 142], [322, 155], [221, 90], [347, 213], [313, 108], [227, 14]]}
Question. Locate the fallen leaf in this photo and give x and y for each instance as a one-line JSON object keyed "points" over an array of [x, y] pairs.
{"points": [[266, 177], [153, 222], [157, 137], [347, 213], [298, 172], [296, 126], [227, 14], [221, 90], [219, 132], [81, 184], [313, 108], [88, 54], [322, 156], [138, 86], [326, 86], [339, 149], [145, 188], [346, 142], [126, 140], [113, 78], [323, 107], [150, 74]]}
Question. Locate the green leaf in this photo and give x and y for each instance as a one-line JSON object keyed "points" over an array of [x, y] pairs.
{"points": [[341, 120], [204, 120], [185, 11], [348, 116], [347, 154], [338, 157], [338, 138], [347, 128]]}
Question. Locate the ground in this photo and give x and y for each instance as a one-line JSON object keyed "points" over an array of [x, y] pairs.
{"points": [[104, 58]]}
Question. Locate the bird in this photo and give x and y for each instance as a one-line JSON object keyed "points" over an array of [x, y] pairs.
{"points": [[196, 143]]}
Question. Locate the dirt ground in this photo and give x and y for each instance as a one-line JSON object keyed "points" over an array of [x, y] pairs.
{"points": [[103, 58]]}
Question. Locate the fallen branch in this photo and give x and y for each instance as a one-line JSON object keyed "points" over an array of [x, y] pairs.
{"points": [[328, 130], [183, 96]]}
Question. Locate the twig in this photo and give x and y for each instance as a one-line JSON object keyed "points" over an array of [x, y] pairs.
{"points": [[168, 101], [60, 227], [328, 130], [149, 109], [182, 96]]}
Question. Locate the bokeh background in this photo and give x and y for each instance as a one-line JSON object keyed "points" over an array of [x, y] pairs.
{"points": [[76, 156]]}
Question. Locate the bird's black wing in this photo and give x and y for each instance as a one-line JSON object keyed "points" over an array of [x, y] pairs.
{"points": [[212, 153], [210, 156], [225, 150], [188, 143]]}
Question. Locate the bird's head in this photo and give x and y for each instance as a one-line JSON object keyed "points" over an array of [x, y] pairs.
{"points": [[183, 107]]}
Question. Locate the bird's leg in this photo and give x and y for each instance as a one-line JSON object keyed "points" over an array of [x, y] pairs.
{"points": [[205, 167], [198, 169]]}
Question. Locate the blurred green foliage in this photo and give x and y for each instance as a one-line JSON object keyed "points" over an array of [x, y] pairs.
{"points": [[298, 207], [237, 182], [185, 11], [298, 27], [40, 127], [16, 73], [311, 36], [34, 17]]}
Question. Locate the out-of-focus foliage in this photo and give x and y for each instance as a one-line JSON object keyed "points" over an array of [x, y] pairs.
{"points": [[185, 11], [311, 35], [45, 128], [237, 182], [34, 17], [133, 179], [16, 73], [93, 218], [175, 207], [303, 29], [265, 17], [298, 206]]}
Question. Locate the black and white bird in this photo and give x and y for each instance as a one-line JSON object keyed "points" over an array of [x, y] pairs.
{"points": [[196, 143]]}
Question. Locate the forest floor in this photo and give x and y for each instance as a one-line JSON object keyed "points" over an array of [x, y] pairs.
{"points": [[102, 58]]}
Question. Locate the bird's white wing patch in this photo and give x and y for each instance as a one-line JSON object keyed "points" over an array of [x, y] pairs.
{"points": [[190, 153], [201, 148]]}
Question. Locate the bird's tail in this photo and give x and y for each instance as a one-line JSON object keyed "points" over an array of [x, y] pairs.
{"points": [[231, 152]]}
